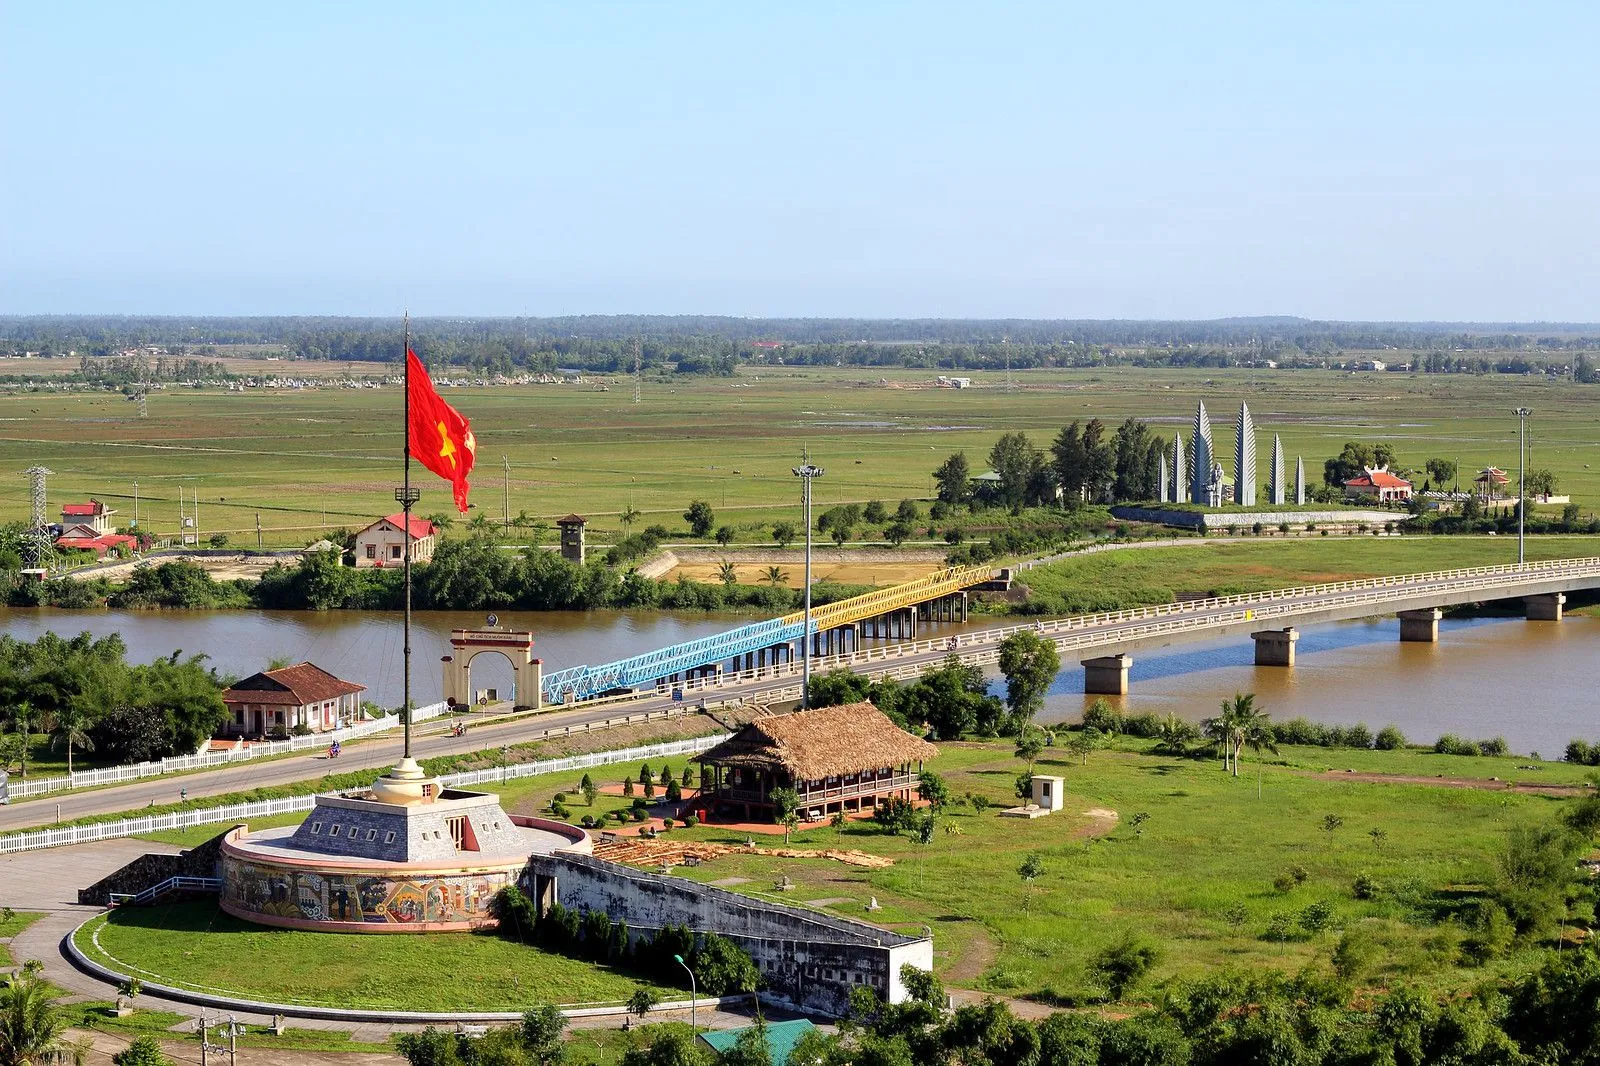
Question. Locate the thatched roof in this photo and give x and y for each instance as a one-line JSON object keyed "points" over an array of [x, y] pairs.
{"points": [[826, 742]]}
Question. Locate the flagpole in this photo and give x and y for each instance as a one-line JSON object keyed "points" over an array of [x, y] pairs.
{"points": [[407, 498]]}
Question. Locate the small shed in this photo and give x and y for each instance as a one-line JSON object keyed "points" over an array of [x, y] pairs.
{"points": [[1048, 792]]}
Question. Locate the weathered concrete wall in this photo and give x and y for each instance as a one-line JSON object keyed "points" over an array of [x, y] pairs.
{"points": [[809, 958], [202, 860]]}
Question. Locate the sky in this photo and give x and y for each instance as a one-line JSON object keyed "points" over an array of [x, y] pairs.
{"points": [[1387, 160]]}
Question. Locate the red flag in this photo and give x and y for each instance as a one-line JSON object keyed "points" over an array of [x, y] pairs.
{"points": [[440, 438]]}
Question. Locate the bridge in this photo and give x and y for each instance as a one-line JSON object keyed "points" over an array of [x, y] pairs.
{"points": [[1104, 643], [890, 613]]}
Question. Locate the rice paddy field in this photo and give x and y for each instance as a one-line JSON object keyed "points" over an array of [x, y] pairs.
{"points": [[315, 459]]}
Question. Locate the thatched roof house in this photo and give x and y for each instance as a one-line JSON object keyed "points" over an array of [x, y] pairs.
{"points": [[835, 758]]}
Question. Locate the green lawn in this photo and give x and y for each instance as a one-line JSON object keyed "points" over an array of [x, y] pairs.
{"points": [[1118, 579], [1209, 846], [101, 1015], [1198, 879], [196, 946], [309, 460]]}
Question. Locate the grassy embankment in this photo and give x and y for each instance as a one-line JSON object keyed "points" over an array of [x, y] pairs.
{"points": [[1105, 581], [10, 927], [306, 461], [1196, 877]]}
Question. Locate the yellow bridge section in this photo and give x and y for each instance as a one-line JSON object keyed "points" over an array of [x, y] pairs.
{"points": [[882, 601]]}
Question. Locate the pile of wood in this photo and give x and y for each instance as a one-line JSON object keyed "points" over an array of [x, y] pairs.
{"points": [[637, 851]]}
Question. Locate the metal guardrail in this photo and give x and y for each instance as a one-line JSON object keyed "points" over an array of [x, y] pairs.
{"points": [[235, 812], [180, 883], [111, 775]]}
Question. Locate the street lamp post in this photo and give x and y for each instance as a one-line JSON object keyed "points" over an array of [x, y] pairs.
{"points": [[1522, 414], [806, 472], [693, 996]]}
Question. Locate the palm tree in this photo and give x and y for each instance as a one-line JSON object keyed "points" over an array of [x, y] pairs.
{"points": [[1219, 731], [1248, 725], [72, 729], [727, 573], [31, 1028], [775, 576], [629, 516], [523, 520], [22, 718], [1173, 736]]}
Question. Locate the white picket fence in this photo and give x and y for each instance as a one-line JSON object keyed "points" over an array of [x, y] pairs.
{"points": [[240, 812], [111, 775]]}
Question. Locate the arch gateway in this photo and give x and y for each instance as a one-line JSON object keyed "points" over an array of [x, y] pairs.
{"points": [[514, 644]]}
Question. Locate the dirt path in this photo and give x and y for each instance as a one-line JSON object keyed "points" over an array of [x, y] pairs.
{"points": [[1490, 784]]}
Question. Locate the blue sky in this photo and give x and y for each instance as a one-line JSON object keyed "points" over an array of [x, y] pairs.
{"points": [[1347, 160]]}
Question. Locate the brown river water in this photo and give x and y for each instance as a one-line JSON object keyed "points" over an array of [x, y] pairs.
{"points": [[1535, 683]]}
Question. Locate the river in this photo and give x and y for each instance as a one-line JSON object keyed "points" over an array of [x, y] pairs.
{"points": [[1531, 682]]}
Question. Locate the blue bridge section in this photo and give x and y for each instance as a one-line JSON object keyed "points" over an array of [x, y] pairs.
{"points": [[587, 682]]}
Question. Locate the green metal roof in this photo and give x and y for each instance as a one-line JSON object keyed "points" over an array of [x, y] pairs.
{"points": [[781, 1038]]}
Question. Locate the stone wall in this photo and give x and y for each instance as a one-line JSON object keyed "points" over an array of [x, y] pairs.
{"points": [[1208, 520], [808, 958], [203, 860]]}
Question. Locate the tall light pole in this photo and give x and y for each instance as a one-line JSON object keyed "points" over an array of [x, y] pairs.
{"points": [[1522, 414], [693, 996], [806, 472]]}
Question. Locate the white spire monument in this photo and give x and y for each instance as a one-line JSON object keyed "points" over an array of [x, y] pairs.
{"points": [[1202, 457], [1180, 470], [1244, 459], [1299, 481], [1278, 487]]}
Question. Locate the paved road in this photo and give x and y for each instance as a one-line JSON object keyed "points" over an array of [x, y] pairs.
{"points": [[430, 739], [1082, 636]]}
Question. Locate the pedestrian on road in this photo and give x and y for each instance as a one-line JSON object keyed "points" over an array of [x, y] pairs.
{"points": [[183, 795]]}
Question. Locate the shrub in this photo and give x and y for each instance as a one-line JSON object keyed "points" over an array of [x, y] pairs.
{"points": [[1102, 716], [560, 811], [896, 815], [1144, 725], [638, 815], [1280, 927], [1579, 752], [1120, 965], [674, 792], [1365, 886], [1495, 747], [667, 823], [1353, 736], [1389, 738], [639, 804], [1316, 917], [1450, 744], [690, 821], [627, 786]]}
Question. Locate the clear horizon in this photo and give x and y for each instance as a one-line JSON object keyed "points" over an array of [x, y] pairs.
{"points": [[1364, 164]]}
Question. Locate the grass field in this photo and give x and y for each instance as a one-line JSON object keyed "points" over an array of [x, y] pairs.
{"points": [[196, 946], [1196, 877], [306, 460]]}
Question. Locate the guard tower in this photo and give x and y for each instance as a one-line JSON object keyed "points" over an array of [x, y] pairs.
{"points": [[572, 537]]}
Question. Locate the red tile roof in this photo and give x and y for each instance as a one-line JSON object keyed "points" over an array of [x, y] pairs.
{"points": [[292, 686], [572, 520], [420, 527], [101, 543], [1377, 479], [92, 508]]}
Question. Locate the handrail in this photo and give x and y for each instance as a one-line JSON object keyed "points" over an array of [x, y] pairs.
{"points": [[176, 883]]}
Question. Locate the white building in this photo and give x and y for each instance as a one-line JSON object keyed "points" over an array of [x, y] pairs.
{"points": [[382, 543]]}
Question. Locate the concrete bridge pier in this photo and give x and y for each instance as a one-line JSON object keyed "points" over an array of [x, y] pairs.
{"points": [[1545, 608], [1107, 675], [1275, 647], [1420, 627]]}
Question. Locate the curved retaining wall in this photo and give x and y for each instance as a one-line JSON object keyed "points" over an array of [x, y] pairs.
{"points": [[351, 896]]}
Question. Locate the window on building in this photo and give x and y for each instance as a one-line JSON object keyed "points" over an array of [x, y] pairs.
{"points": [[388, 838], [316, 827], [372, 551], [372, 834], [394, 551], [333, 830]]}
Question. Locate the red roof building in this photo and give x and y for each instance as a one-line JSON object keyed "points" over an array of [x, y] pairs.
{"points": [[94, 514], [277, 702], [384, 542], [1379, 484], [83, 537]]}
